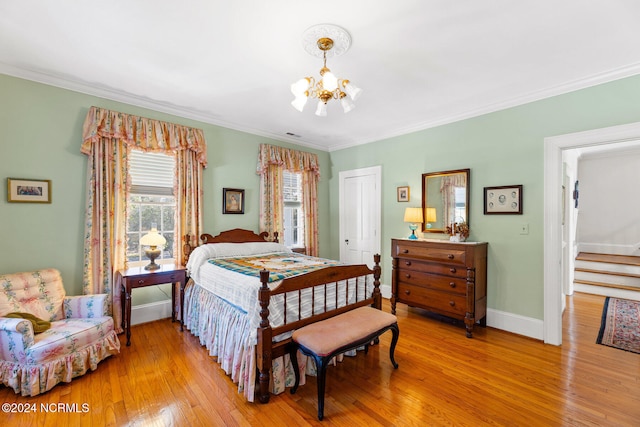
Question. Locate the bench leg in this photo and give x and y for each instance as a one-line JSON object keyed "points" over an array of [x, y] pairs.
{"points": [[394, 340], [321, 365]]}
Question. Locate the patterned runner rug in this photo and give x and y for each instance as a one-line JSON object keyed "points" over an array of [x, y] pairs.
{"points": [[620, 326]]}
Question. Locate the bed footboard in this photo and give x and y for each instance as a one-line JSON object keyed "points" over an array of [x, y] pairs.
{"points": [[318, 282]]}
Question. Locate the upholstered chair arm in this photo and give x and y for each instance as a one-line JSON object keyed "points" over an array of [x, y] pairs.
{"points": [[85, 306], [16, 336]]}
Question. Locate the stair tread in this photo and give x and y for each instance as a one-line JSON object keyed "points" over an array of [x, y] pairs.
{"points": [[607, 285], [609, 258], [607, 272]]}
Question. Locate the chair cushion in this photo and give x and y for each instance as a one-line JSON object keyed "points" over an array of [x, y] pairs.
{"points": [[37, 292], [67, 336], [328, 335]]}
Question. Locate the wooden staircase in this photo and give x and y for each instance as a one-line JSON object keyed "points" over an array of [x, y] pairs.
{"points": [[599, 272]]}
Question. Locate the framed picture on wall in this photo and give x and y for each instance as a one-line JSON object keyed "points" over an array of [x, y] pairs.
{"points": [[503, 200], [28, 190], [403, 194], [232, 201]]}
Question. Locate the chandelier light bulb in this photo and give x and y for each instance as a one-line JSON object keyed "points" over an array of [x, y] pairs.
{"points": [[347, 104], [353, 91], [299, 102], [329, 81], [321, 111], [298, 88]]}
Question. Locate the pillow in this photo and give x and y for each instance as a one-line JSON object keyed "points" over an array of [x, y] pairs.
{"points": [[38, 324], [202, 253]]}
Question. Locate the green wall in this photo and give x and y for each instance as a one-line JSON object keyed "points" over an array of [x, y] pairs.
{"points": [[501, 148], [41, 134], [40, 137]]}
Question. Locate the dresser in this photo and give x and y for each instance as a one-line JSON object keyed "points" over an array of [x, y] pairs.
{"points": [[442, 277]]}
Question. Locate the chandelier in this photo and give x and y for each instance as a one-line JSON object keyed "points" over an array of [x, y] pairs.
{"points": [[325, 40]]}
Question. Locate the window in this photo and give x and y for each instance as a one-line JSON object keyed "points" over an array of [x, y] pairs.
{"points": [[293, 213], [151, 203]]}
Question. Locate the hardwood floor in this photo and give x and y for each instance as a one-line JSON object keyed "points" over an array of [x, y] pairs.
{"points": [[165, 378]]}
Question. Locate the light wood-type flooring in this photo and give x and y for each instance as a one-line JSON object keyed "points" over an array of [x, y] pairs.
{"points": [[165, 378]]}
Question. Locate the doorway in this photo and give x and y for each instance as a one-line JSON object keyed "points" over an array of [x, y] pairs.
{"points": [[553, 180]]}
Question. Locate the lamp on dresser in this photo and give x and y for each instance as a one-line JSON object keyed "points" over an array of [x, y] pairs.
{"points": [[414, 216]]}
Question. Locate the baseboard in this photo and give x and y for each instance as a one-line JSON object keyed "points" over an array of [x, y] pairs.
{"points": [[514, 323], [521, 325], [385, 290], [144, 313]]}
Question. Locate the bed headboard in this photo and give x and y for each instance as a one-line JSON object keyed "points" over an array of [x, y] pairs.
{"points": [[237, 235]]}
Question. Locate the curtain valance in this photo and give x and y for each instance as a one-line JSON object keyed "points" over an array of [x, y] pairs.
{"points": [[142, 133], [288, 159]]}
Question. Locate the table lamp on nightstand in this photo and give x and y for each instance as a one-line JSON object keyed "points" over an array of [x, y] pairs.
{"points": [[153, 239], [414, 216]]}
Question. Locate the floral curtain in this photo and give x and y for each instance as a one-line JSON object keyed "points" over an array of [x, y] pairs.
{"points": [[106, 139], [272, 162]]}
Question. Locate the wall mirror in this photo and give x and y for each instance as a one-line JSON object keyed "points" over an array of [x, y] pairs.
{"points": [[445, 199]]}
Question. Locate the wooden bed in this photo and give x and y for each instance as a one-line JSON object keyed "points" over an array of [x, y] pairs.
{"points": [[315, 281]]}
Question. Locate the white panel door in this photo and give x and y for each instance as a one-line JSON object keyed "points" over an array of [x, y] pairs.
{"points": [[360, 202]]}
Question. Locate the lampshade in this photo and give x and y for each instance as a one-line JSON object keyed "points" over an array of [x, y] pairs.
{"points": [[153, 238], [413, 215], [431, 215]]}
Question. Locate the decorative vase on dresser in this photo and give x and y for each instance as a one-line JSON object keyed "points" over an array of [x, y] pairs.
{"points": [[442, 277]]}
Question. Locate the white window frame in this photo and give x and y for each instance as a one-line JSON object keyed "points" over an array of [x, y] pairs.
{"points": [[152, 175], [293, 211]]}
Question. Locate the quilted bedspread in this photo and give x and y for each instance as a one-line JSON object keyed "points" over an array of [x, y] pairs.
{"points": [[280, 265]]}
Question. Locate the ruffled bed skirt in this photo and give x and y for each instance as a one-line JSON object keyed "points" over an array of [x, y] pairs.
{"points": [[224, 330], [31, 380]]}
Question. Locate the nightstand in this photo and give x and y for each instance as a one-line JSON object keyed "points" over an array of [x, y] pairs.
{"points": [[138, 277]]}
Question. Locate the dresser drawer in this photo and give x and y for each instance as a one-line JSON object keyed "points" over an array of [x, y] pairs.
{"points": [[433, 281], [447, 255], [433, 300], [431, 267]]}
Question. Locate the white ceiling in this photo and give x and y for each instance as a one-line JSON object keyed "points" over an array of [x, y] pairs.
{"points": [[420, 63]]}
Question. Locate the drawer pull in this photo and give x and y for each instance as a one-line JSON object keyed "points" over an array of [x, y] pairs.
{"points": [[140, 282], [407, 292], [452, 303], [450, 256], [452, 284], [407, 263], [172, 278], [408, 276], [405, 251], [452, 270]]}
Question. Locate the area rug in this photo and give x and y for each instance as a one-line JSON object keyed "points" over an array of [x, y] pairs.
{"points": [[620, 326]]}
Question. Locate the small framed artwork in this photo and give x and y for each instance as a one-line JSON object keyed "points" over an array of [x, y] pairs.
{"points": [[503, 200], [28, 190], [232, 201], [403, 194]]}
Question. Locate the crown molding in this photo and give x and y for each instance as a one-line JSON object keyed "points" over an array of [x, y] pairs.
{"points": [[572, 86], [201, 116], [143, 102]]}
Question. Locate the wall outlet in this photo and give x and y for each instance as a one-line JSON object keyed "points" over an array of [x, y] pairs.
{"points": [[524, 228]]}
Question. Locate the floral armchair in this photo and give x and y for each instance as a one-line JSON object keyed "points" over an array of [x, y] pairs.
{"points": [[81, 334]]}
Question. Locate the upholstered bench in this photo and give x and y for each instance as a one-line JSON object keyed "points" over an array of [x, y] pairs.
{"points": [[347, 331]]}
